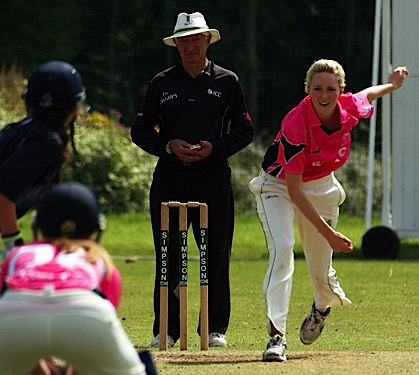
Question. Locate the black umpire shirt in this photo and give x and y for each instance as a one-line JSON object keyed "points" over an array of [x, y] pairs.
{"points": [[210, 107]]}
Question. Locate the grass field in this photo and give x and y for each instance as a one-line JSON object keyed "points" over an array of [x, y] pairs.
{"points": [[377, 334]]}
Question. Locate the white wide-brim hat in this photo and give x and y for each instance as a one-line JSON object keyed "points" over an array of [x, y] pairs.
{"points": [[190, 24]]}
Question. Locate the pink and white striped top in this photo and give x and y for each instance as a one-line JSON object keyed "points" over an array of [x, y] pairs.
{"points": [[302, 146], [40, 266]]}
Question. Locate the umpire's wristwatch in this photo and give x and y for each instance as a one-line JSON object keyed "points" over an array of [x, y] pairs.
{"points": [[168, 150]]}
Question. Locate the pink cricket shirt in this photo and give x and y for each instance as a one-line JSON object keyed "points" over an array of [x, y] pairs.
{"points": [[302, 146], [41, 266]]}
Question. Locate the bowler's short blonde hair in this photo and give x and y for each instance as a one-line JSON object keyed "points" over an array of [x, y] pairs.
{"points": [[325, 66]]}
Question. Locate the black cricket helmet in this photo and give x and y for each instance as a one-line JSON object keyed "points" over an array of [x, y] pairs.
{"points": [[69, 209], [56, 85]]}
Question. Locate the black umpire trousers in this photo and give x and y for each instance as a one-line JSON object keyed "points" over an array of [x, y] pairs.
{"points": [[208, 182]]}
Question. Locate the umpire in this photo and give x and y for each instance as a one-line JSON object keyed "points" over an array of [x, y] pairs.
{"points": [[194, 118]]}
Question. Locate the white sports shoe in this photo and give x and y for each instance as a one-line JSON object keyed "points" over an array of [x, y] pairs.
{"points": [[155, 343], [217, 339], [275, 350], [313, 325]]}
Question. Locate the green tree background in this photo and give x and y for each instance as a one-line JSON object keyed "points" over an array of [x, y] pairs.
{"points": [[117, 45]]}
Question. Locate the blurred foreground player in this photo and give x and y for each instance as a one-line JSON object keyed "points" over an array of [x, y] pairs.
{"points": [[33, 150], [59, 295]]}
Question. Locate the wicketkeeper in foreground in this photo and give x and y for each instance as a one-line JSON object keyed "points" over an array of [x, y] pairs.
{"points": [[59, 295]]}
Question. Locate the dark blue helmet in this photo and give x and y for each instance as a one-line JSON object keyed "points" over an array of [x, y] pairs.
{"points": [[68, 209], [55, 85]]}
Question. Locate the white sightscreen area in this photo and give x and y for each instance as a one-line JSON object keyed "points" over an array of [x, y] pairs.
{"points": [[400, 47]]}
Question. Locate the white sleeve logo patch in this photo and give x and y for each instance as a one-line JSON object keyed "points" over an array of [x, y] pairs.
{"points": [[367, 110], [214, 93]]}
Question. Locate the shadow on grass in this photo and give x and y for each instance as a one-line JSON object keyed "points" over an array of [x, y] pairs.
{"points": [[207, 358], [233, 359], [213, 362]]}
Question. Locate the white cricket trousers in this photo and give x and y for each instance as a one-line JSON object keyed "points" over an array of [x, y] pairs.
{"points": [[277, 213], [80, 327]]}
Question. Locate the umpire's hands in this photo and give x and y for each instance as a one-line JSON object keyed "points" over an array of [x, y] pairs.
{"points": [[189, 153]]}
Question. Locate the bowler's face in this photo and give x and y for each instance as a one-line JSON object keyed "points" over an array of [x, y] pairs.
{"points": [[193, 48], [324, 91]]}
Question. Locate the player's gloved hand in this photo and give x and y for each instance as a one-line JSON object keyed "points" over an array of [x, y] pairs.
{"points": [[10, 241]]}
